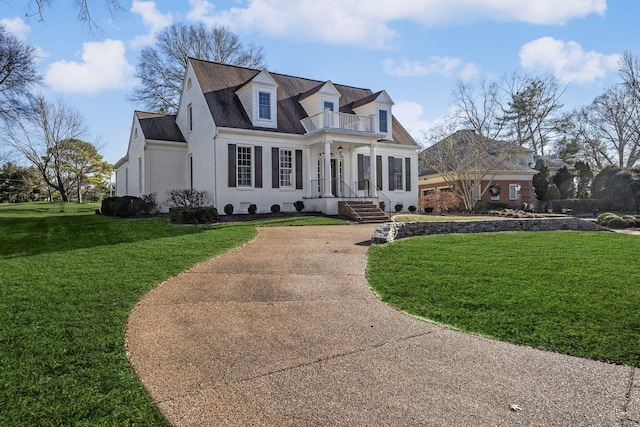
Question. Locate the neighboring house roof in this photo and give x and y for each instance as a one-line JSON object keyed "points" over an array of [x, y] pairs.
{"points": [[500, 155], [553, 164], [160, 127], [219, 83]]}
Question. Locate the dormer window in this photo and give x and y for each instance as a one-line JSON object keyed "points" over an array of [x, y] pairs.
{"points": [[264, 105], [328, 106], [383, 121]]}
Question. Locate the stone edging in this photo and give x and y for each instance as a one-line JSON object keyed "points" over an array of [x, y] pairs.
{"points": [[397, 230]]}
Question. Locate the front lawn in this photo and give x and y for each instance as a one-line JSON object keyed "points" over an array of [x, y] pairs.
{"points": [[572, 292], [68, 281]]}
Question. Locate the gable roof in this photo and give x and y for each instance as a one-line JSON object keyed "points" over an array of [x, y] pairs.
{"points": [[161, 127], [219, 83], [499, 155]]}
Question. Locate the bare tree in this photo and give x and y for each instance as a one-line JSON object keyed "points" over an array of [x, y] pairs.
{"points": [[161, 67], [479, 107], [37, 8], [609, 128], [18, 75], [630, 73], [40, 135], [464, 159], [534, 114]]}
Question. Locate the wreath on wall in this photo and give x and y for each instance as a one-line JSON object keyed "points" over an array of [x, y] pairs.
{"points": [[494, 190]]}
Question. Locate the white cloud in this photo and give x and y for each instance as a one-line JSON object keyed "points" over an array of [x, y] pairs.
{"points": [[152, 19], [353, 23], [446, 66], [17, 27], [411, 115], [568, 61], [103, 67]]}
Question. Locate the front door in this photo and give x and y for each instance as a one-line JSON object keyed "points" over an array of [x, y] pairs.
{"points": [[337, 182], [337, 174]]}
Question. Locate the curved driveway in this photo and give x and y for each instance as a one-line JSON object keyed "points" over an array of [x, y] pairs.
{"points": [[285, 332]]}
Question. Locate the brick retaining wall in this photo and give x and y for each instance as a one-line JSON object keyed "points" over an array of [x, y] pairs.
{"points": [[390, 231]]}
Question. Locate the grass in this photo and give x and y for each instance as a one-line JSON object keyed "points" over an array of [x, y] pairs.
{"points": [[68, 282], [571, 292]]}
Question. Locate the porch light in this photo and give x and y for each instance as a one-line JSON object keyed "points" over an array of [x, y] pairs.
{"points": [[340, 149]]}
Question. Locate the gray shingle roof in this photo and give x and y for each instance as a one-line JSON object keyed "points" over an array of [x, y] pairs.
{"points": [[161, 127], [219, 82]]}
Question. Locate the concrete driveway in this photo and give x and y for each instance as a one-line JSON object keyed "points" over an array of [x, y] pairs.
{"points": [[285, 332]]}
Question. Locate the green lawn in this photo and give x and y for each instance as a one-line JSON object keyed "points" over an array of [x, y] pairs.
{"points": [[68, 282], [572, 292]]}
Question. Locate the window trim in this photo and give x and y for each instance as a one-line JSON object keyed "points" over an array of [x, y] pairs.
{"points": [[261, 105], [283, 169], [243, 168], [513, 188], [386, 120]]}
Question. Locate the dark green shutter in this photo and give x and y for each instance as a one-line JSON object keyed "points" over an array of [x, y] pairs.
{"points": [[231, 165], [360, 171], [407, 174], [391, 183], [299, 170], [275, 167], [258, 154], [379, 172]]}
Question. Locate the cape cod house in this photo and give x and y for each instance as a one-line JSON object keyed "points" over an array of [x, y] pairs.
{"points": [[247, 136]]}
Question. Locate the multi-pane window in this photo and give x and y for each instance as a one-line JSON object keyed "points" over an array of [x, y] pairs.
{"points": [[286, 168], [328, 105], [513, 191], [243, 168], [264, 105], [397, 173], [383, 121]]}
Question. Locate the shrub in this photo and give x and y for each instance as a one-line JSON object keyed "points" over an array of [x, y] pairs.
{"points": [[150, 205], [299, 205], [193, 215], [399, 207], [252, 209], [186, 197], [275, 208], [617, 223], [412, 208], [382, 205], [603, 215], [631, 220], [107, 206], [128, 206], [228, 209], [484, 206]]}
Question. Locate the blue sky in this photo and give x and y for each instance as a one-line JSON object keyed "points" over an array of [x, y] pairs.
{"points": [[416, 50]]}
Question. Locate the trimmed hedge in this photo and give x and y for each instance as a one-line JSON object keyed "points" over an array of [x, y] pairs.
{"points": [[128, 206], [579, 206], [193, 215]]}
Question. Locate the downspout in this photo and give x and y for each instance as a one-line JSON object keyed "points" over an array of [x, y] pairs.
{"points": [[215, 170]]}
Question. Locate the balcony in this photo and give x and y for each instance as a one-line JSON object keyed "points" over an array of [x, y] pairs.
{"points": [[331, 120]]}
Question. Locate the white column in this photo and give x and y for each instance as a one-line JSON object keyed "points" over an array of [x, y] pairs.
{"points": [[327, 169], [373, 190], [308, 171]]}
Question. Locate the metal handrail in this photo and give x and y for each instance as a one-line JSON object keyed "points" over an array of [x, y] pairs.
{"points": [[354, 195]]}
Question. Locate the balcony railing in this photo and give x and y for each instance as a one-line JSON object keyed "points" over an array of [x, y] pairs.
{"points": [[340, 121]]}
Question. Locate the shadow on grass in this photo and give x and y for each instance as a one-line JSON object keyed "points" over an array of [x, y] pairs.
{"points": [[24, 236]]}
